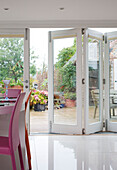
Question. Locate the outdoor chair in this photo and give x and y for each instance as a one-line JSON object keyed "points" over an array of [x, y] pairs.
{"points": [[95, 97], [13, 93], [113, 100], [9, 144], [26, 134]]}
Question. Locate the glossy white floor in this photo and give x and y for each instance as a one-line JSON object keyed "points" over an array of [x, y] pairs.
{"points": [[60, 152]]}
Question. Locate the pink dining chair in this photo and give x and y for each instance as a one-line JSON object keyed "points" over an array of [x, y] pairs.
{"points": [[13, 93], [26, 134], [9, 144]]}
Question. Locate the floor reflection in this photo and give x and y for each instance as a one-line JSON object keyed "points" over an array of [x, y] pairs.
{"points": [[74, 152]]}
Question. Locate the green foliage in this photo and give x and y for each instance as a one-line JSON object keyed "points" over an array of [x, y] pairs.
{"points": [[1, 83], [19, 82], [44, 84], [70, 95], [33, 69], [66, 72], [12, 59], [68, 76], [2, 90], [65, 54], [13, 83], [31, 82], [33, 58]]}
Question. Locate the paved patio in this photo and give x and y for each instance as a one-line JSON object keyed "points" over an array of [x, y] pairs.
{"points": [[39, 120]]}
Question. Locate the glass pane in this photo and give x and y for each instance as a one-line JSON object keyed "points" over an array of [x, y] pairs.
{"points": [[11, 62], [65, 81], [113, 79], [94, 75]]}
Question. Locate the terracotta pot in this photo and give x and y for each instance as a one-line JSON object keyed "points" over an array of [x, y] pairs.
{"points": [[70, 103], [16, 87]]}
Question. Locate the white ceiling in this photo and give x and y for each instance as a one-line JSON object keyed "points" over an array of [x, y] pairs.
{"points": [[48, 10]]}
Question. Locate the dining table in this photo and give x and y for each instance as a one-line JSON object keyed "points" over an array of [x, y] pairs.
{"points": [[5, 161], [7, 102]]}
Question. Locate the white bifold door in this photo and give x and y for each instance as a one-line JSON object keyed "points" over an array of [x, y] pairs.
{"points": [[88, 75], [93, 87], [100, 89], [65, 81], [111, 81]]}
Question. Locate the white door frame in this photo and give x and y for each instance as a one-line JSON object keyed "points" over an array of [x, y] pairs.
{"points": [[61, 128], [111, 126], [27, 72], [93, 127]]}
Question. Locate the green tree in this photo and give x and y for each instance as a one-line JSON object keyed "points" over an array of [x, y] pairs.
{"points": [[65, 54], [33, 70], [11, 58], [33, 58], [68, 74], [66, 71], [66, 77]]}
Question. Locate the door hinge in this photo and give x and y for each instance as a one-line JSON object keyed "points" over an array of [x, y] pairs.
{"points": [[106, 124], [49, 36], [26, 33], [83, 130], [83, 81], [105, 39], [83, 31], [104, 81], [50, 125]]}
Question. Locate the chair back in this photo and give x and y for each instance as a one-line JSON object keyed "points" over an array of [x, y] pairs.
{"points": [[26, 103], [13, 93], [14, 122]]}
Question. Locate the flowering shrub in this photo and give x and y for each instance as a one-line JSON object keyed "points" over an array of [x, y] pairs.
{"points": [[39, 97]]}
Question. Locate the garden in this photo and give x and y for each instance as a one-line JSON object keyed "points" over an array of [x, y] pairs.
{"points": [[11, 68]]}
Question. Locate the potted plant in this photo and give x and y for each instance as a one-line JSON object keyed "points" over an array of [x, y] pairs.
{"points": [[16, 85], [70, 99], [39, 99]]}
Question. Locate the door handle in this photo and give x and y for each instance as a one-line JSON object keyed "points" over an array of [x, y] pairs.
{"points": [[26, 87], [83, 81]]}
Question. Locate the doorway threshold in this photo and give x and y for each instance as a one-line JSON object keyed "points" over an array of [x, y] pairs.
{"points": [[105, 133], [38, 133]]}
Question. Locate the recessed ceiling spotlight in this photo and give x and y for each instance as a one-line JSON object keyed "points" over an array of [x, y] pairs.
{"points": [[62, 8], [6, 9]]}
